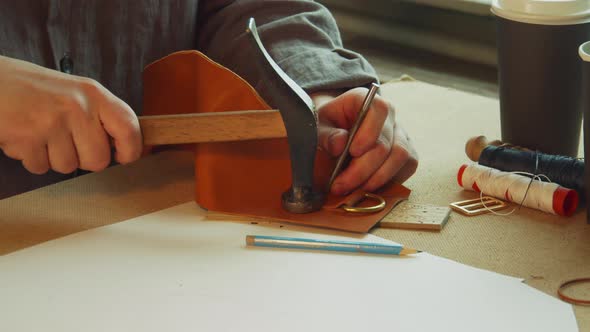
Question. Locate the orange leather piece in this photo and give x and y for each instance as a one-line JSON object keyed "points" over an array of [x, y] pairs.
{"points": [[246, 177]]}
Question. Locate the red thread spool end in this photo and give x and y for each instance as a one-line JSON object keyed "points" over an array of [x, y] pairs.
{"points": [[565, 201], [460, 178], [460, 174]]}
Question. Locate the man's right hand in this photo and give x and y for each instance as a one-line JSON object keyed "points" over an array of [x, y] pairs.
{"points": [[52, 120]]}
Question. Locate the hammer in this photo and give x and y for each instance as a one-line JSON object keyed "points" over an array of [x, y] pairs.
{"points": [[295, 118]]}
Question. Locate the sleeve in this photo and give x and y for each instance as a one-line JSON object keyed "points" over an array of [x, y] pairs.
{"points": [[301, 36]]}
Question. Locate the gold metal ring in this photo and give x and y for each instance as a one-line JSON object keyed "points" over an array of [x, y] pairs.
{"points": [[367, 209]]}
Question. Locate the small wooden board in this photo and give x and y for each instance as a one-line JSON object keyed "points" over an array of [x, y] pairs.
{"points": [[409, 215]]}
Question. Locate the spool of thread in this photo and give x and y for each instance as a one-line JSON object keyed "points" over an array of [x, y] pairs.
{"points": [[566, 171], [545, 196]]}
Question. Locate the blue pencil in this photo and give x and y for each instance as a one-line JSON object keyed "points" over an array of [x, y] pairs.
{"points": [[346, 246]]}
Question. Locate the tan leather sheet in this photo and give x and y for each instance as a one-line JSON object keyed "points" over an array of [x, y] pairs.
{"points": [[246, 177]]}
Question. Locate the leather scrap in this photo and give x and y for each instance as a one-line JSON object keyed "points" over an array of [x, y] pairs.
{"points": [[245, 177]]}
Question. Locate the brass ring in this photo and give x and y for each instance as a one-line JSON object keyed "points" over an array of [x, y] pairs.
{"points": [[570, 299], [367, 209]]}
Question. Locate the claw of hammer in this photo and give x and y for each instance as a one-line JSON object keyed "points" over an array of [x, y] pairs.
{"points": [[300, 119]]}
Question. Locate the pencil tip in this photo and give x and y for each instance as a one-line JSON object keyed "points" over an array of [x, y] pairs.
{"points": [[250, 240]]}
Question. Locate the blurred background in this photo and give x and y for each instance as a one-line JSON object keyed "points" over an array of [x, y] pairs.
{"points": [[444, 42]]}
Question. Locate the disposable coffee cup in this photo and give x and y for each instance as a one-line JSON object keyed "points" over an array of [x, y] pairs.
{"points": [[584, 52], [539, 72]]}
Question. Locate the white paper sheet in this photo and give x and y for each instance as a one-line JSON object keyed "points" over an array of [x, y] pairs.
{"points": [[174, 271]]}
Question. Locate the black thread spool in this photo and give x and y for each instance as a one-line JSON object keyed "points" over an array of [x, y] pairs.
{"points": [[566, 171]]}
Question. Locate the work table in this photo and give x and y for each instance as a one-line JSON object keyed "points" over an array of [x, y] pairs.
{"points": [[543, 249]]}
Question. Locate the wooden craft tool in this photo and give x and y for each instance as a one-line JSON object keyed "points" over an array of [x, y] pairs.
{"points": [[409, 215], [475, 145], [342, 246], [211, 127]]}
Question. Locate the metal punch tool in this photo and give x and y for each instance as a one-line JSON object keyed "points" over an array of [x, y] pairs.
{"points": [[344, 159]]}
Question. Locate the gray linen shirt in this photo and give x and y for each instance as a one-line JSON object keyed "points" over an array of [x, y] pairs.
{"points": [[112, 41]]}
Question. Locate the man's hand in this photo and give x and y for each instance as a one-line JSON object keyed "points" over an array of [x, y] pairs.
{"points": [[52, 120], [381, 150]]}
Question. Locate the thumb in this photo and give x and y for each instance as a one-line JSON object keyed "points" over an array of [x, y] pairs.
{"points": [[122, 125], [332, 140]]}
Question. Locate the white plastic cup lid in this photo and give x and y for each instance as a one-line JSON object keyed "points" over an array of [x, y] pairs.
{"points": [[584, 51], [545, 12]]}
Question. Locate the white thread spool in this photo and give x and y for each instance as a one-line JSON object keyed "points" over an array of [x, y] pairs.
{"points": [[545, 196]]}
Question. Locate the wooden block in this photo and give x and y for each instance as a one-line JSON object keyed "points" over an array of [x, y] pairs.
{"points": [[409, 215]]}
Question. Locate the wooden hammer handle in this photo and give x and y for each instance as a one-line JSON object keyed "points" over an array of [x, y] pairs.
{"points": [[211, 127]]}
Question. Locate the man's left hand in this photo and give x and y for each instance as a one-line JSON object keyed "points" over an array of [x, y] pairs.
{"points": [[381, 150]]}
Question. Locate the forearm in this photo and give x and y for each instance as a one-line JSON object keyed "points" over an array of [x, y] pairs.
{"points": [[301, 36]]}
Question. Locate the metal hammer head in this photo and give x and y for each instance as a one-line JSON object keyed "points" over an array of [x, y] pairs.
{"points": [[298, 113]]}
